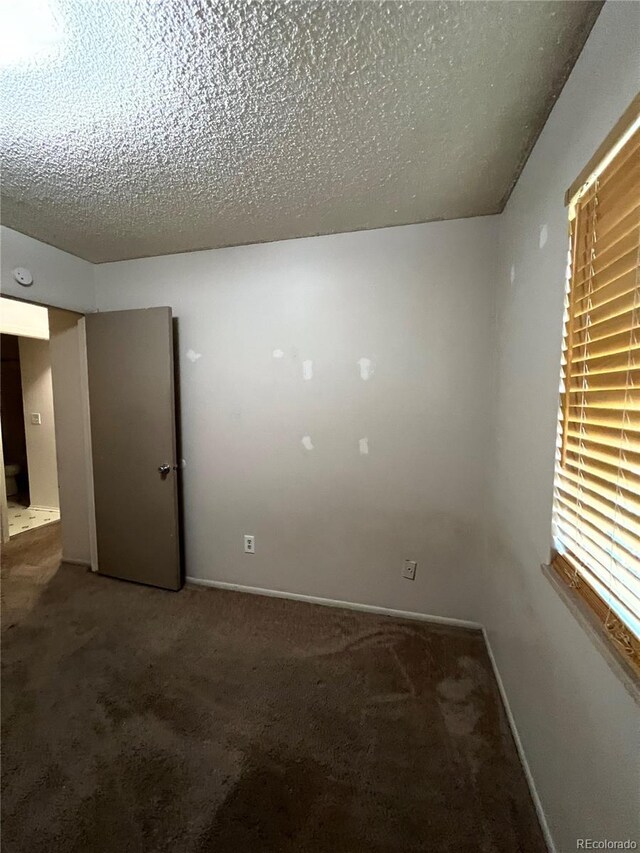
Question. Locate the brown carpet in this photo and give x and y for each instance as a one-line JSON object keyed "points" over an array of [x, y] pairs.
{"points": [[141, 720]]}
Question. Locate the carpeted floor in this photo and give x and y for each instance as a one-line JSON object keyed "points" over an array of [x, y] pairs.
{"points": [[141, 720]]}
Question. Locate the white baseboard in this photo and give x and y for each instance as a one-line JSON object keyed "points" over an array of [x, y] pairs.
{"points": [[332, 602], [45, 508], [420, 617], [542, 818]]}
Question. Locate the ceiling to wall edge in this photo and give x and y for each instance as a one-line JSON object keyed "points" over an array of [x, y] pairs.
{"points": [[503, 203], [562, 76], [258, 243], [543, 123]]}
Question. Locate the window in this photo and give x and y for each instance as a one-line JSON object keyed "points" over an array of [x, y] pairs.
{"points": [[596, 509]]}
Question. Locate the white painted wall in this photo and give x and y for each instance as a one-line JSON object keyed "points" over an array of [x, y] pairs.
{"points": [[59, 279], [37, 396], [578, 725], [67, 339], [331, 521]]}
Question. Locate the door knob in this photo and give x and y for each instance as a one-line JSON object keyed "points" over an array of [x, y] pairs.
{"points": [[164, 469]]}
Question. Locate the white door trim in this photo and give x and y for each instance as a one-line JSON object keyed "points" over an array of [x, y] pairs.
{"points": [[86, 423]]}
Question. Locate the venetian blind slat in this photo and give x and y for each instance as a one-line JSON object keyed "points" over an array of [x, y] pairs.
{"points": [[596, 511]]}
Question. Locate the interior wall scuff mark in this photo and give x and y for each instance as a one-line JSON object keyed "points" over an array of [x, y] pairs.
{"points": [[307, 443], [278, 353], [544, 234], [366, 368], [307, 369], [193, 356]]}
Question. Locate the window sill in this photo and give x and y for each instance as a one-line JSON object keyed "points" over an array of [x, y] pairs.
{"points": [[585, 616]]}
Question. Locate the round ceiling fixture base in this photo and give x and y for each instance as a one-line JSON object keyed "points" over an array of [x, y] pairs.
{"points": [[23, 276]]}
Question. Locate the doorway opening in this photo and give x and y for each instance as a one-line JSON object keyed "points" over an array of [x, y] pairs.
{"points": [[27, 420], [13, 429], [103, 393], [46, 481]]}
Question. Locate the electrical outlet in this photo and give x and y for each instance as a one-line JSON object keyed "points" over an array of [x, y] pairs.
{"points": [[409, 570], [249, 544]]}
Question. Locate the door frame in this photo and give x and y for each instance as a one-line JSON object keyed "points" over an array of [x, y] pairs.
{"points": [[86, 430], [4, 507]]}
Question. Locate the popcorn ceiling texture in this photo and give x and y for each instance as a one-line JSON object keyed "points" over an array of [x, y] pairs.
{"points": [[170, 125]]}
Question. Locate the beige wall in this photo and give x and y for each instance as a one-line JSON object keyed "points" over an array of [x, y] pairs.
{"points": [[65, 344], [332, 521], [37, 396], [578, 725]]}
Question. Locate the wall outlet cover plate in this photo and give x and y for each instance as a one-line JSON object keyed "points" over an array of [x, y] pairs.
{"points": [[409, 570]]}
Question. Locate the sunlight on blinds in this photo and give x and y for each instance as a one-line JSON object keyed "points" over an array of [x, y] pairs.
{"points": [[596, 510]]}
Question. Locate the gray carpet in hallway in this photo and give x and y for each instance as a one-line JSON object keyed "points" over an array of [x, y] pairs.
{"points": [[140, 720]]}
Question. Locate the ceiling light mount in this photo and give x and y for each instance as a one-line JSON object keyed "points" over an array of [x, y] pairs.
{"points": [[23, 276]]}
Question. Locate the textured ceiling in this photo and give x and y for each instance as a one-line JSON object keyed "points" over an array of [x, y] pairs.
{"points": [[142, 127]]}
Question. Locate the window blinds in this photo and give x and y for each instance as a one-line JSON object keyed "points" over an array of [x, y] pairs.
{"points": [[596, 512]]}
